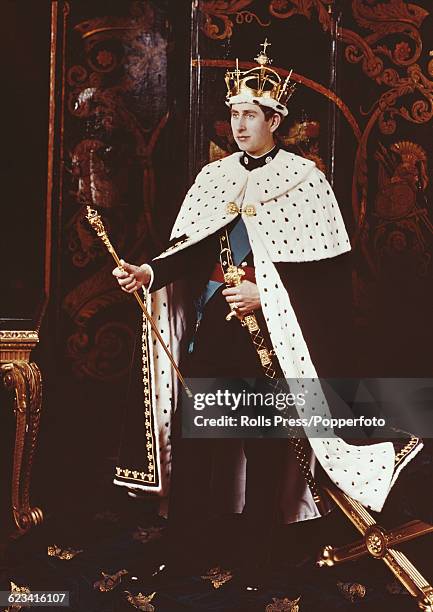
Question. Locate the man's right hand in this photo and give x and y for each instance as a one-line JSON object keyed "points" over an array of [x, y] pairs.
{"points": [[131, 278]]}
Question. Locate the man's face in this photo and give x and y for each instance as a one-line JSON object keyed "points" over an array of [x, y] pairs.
{"points": [[251, 131]]}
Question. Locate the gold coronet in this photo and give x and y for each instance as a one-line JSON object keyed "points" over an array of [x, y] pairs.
{"points": [[261, 81]]}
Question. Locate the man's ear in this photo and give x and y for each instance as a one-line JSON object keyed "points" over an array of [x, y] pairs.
{"points": [[275, 121]]}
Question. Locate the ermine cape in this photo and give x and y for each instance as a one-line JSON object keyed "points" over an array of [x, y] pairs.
{"points": [[291, 215]]}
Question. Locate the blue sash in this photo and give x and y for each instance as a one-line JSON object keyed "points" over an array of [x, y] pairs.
{"points": [[240, 248]]}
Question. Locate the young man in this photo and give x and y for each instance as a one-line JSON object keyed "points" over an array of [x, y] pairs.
{"points": [[253, 129], [281, 220]]}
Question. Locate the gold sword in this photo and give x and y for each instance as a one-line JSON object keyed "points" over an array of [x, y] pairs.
{"points": [[233, 276], [96, 222]]}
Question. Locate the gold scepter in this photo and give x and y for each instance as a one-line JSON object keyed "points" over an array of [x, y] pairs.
{"points": [[96, 222]]}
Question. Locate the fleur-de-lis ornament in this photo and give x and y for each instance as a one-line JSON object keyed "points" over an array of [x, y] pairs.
{"points": [[352, 591], [218, 576], [140, 601], [65, 554], [109, 582], [283, 605]]}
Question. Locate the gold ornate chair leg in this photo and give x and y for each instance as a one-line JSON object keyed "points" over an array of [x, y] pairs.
{"points": [[29, 515], [377, 542], [24, 381]]}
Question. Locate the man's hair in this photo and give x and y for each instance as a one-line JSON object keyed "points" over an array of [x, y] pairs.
{"points": [[268, 112]]}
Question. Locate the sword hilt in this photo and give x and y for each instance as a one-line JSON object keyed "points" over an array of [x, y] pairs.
{"points": [[232, 313]]}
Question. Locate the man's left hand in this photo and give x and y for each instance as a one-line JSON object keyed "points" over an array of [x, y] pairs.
{"points": [[246, 297]]}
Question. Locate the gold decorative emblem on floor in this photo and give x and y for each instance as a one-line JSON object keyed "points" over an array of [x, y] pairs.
{"points": [[283, 605], [352, 590], [140, 601], [65, 554], [14, 588], [109, 582], [218, 576]]}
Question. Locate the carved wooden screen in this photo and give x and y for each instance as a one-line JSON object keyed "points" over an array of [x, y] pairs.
{"points": [[388, 70], [118, 144], [113, 118], [362, 111]]}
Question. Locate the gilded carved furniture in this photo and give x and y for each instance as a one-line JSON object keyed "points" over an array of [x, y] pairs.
{"points": [[22, 379]]}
